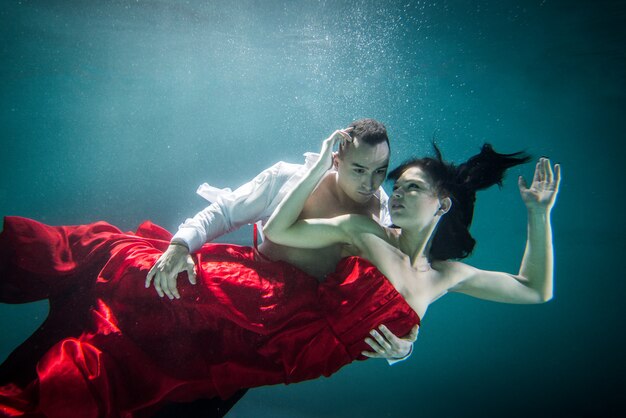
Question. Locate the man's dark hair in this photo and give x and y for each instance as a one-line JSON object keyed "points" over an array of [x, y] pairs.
{"points": [[369, 131]]}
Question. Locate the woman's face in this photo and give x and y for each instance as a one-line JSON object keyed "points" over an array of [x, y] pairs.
{"points": [[414, 202]]}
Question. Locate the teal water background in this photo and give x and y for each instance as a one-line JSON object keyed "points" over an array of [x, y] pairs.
{"points": [[118, 110]]}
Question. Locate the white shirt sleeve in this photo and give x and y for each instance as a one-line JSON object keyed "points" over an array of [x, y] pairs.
{"points": [[232, 209]]}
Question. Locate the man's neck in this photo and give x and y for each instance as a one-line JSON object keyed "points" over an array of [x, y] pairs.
{"points": [[342, 198]]}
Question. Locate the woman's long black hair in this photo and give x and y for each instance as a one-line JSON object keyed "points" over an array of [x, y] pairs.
{"points": [[452, 239]]}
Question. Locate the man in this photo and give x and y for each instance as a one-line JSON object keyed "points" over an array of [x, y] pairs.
{"points": [[353, 187]]}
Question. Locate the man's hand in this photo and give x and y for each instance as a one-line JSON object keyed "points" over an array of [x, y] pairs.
{"points": [[340, 136], [387, 345], [174, 260]]}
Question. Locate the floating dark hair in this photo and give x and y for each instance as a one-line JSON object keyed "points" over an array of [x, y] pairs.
{"points": [[452, 239]]}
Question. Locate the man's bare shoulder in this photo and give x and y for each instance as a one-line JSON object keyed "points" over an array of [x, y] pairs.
{"points": [[322, 202]]}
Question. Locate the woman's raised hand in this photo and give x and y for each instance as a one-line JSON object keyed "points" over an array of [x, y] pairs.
{"points": [[542, 192]]}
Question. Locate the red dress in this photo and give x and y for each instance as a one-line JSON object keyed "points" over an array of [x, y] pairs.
{"points": [[120, 350]]}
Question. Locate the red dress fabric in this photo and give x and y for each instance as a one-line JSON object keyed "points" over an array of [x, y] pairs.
{"points": [[120, 350]]}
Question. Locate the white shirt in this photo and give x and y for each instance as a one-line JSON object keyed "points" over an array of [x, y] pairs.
{"points": [[253, 202]]}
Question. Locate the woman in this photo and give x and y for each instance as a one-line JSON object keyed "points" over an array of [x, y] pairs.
{"points": [[432, 206], [248, 322]]}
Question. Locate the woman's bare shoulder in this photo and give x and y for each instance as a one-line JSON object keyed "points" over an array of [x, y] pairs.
{"points": [[453, 272]]}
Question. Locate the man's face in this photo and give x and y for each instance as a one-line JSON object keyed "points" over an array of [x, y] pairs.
{"points": [[361, 169]]}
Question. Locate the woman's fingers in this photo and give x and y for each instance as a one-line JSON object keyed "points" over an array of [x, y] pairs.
{"points": [[521, 183], [557, 176], [548, 170], [537, 175]]}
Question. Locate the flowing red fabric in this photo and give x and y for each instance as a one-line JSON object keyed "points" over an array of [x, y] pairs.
{"points": [[118, 350]]}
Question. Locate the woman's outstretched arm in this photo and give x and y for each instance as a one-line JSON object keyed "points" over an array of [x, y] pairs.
{"points": [[538, 261], [283, 226], [534, 282]]}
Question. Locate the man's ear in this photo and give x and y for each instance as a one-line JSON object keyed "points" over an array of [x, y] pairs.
{"points": [[444, 205], [335, 160]]}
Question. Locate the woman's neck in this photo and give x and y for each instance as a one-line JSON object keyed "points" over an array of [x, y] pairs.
{"points": [[416, 243]]}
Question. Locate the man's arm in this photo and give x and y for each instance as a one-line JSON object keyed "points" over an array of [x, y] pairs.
{"points": [[247, 204]]}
